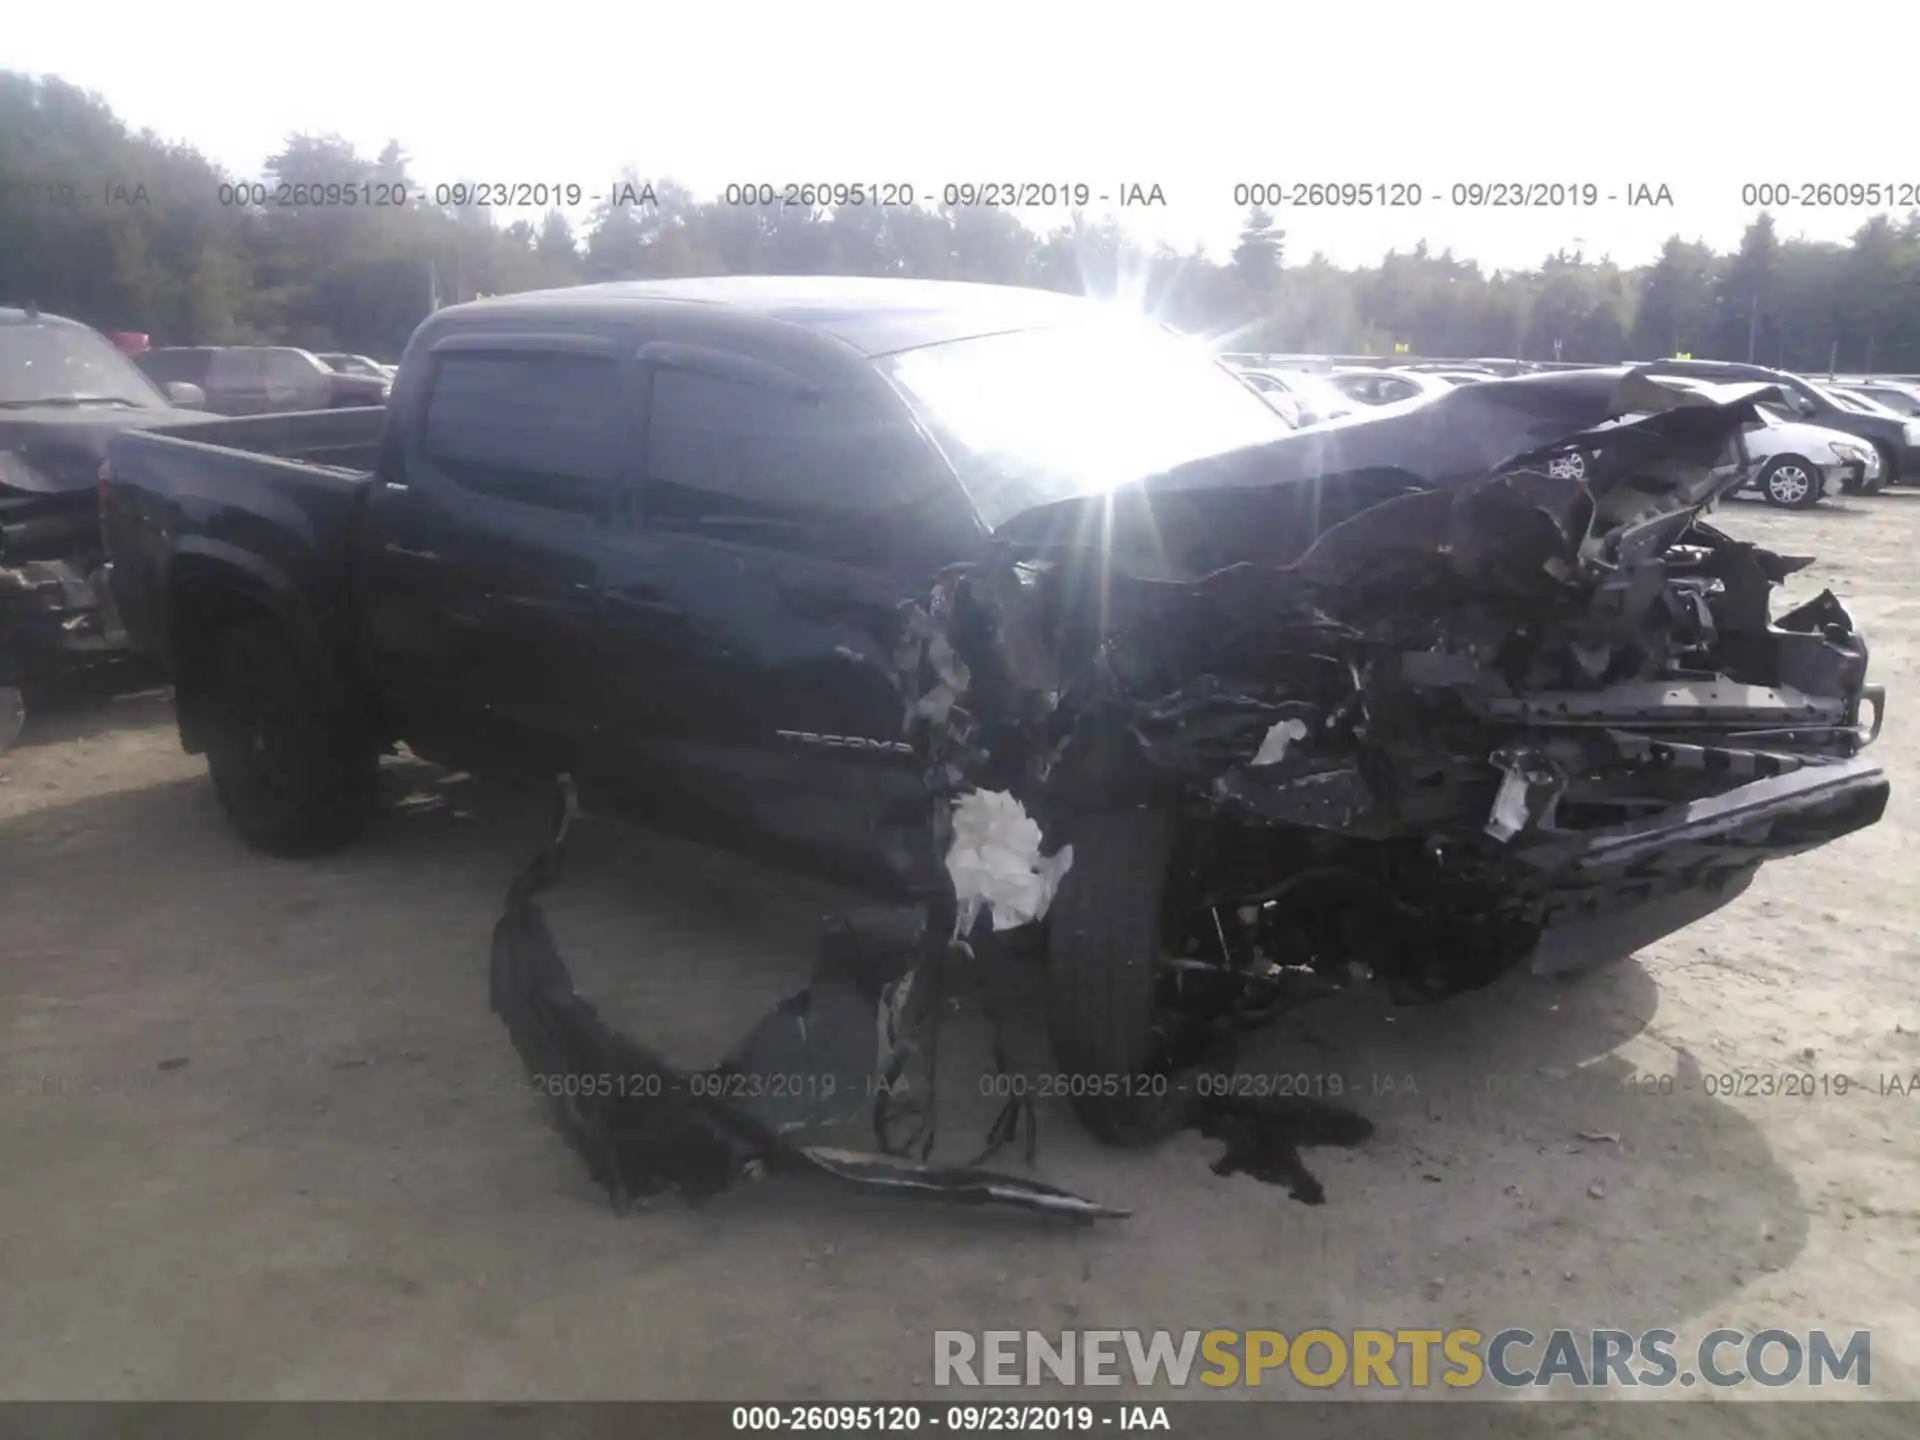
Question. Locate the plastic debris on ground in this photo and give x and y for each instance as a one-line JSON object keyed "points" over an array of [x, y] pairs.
{"points": [[996, 864]]}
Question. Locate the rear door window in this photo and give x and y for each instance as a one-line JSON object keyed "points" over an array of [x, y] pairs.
{"points": [[535, 427]]}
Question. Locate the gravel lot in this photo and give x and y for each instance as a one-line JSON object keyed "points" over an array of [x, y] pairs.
{"points": [[257, 1142]]}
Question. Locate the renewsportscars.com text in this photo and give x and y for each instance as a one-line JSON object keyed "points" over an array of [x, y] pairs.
{"points": [[1508, 1359]]}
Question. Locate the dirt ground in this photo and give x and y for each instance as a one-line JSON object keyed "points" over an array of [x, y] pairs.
{"points": [[258, 1137]]}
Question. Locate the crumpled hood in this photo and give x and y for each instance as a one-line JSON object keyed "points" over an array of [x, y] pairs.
{"points": [[1584, 447]]}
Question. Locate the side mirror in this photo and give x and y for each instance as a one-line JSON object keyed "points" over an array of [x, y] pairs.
{"points": [[186, 396]]}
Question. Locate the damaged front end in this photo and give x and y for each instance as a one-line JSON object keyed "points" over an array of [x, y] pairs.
{"points": [[1405, 702], [1418, 699], [56, 611]]}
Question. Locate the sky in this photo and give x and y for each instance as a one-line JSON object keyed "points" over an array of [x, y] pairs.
{"points": [[1195, 99]]}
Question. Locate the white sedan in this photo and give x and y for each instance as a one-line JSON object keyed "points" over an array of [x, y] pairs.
{"points": [[1800, 462], [1797, 463]]}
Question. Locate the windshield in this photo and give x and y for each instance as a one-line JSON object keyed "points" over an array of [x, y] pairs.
{"points": [[1320, 397], [1044, 415], [1859, 404], [65, 365], [1901, 402]]}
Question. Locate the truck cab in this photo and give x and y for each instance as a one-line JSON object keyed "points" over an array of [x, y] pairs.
{"points": [[655, 534]]}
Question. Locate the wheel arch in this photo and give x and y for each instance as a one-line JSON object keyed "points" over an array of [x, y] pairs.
{"points": [[210, 589]]}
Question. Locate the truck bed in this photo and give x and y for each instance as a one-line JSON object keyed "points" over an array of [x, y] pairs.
{"points": [[271, 497], [338, 439]]}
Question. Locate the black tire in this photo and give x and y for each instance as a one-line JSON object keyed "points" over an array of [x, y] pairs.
{"points": [[1790, 483], [1105, 947], [1889, 468], [296, 775]]}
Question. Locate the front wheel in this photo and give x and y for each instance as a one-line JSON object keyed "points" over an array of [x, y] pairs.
{"points": [[1790, 482], [1105, 950], [296, 774]]}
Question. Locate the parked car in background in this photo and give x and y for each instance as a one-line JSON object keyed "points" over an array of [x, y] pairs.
{"points": [[65, 390], [1386, 387], [345, 364], [1798, 464], [262, 379], [1459, 377], [1901, 397], [1469, 369], [1300, 398], [1896, 438]]}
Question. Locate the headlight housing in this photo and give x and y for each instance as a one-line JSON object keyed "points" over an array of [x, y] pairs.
{"points": [[1851, 453], [1912, 429]]}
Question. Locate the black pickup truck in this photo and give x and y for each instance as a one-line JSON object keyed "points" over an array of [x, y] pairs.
{"points": [[1405, 699]]}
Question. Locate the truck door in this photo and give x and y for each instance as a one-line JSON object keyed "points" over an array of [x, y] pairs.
{"points": [[751, 587], [484, 536]]}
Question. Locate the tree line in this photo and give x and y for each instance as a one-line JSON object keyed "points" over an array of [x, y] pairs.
{"points": [[128, 232]]}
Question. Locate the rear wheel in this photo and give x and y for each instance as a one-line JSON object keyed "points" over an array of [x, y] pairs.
{"points": [[1790, 482], [295, 773], [1105, 951]]}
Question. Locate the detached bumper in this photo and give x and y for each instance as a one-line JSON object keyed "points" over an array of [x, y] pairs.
{"points": [[1845, 476], [1762, 820], [1624, 886]]}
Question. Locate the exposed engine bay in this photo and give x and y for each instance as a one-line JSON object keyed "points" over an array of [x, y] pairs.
{"points": [[1463, 719]]}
